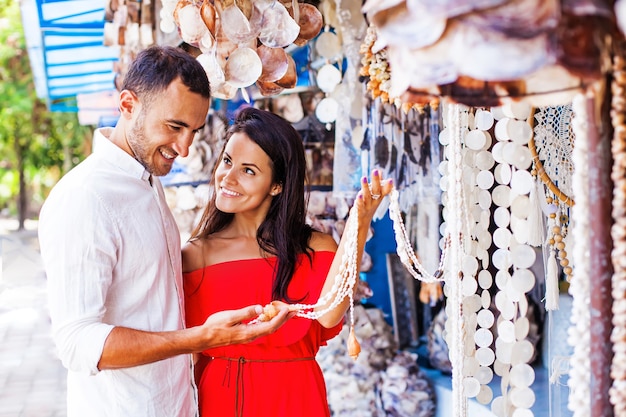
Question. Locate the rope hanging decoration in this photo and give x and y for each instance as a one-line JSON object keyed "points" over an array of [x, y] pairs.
{"points": [[541, 173], [552, 143]]}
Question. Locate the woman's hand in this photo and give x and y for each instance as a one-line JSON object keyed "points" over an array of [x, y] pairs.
{"points": [[371, 195], [230, 326]]}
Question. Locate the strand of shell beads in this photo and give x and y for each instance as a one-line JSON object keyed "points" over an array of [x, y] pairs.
{"points": [[405, 250], [558, 230], [343, 286]]}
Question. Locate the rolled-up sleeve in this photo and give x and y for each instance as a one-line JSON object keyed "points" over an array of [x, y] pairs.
{"points": [[77, 238]]}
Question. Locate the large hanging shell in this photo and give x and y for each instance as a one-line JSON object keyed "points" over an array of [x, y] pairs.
{"points": [[246, 7], [224, 46], [599, 8], [278, 29], [560, 83], [518, 18], [290, 78], [452, 8], [432, 70], [224, 91], [243, 67], [620, 15], [209, 15], [212, 68], [488, 55], [310, 21], [477, 93], [327, 110], [328, 76], [275, 62], [328, 45], [579, 49], [236, 25], [413, 28], [422, 67], [190, 23], [269, 88]]}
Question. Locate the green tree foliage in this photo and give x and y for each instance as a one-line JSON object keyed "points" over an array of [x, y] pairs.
{"points": [[37, 146]]}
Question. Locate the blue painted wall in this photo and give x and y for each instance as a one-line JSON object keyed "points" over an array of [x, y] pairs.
{"points": [[382, 243]]}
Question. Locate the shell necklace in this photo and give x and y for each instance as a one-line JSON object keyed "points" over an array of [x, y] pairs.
{"points": [[343, 286]]}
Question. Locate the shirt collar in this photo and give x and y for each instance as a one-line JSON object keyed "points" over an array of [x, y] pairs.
{"points": [[109, 151]]}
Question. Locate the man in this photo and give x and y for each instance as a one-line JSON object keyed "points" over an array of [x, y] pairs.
{"points": [[112, 254]]}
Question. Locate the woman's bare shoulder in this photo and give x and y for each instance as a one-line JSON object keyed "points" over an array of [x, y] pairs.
{"points": [[193, 255], [322, 242]]}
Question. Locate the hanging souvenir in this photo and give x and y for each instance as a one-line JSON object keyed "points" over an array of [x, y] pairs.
{"points": [[579, 333], [618, 175]]}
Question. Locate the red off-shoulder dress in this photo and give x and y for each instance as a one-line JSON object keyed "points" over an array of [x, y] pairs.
{"points": [[275, 375]]}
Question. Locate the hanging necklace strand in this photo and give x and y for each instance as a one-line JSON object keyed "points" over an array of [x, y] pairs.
{"points": [[405, 250]]}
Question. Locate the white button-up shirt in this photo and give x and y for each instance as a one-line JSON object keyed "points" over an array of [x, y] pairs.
{"points": [[112, 255]]}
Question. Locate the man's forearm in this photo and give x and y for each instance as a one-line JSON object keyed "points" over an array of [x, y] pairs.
{"points": [[126, 347]]}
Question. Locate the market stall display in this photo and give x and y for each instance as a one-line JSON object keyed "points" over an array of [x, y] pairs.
{"points": [[241, 41], [384, 381], [497, 91]]}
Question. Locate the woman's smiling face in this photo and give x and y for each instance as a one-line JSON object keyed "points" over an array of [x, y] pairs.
{"points": [[244, 177]]}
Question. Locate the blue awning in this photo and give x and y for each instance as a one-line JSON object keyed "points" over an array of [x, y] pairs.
{"points": [[65, 40]]}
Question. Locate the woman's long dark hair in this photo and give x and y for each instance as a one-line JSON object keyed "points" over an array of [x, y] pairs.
{"points": [[284, 232]]}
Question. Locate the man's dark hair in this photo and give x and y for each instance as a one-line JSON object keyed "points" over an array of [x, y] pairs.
{"points": [[156, 67]]}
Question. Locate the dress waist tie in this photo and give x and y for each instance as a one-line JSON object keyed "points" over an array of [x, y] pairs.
{"points": [[241, 361]]}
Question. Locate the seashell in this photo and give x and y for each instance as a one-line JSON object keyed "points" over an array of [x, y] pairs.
{"points": [[452, 8], [208, 15], [377, 6], [274, 61], [243, 67], [278, 29], [328, 77], [236, 25], [271, 310], [509, 59], [327, 110], [190, 23], [310, 21], [224, 46], [290, 78], [518, 18], [179, 5], [600, 8], [579, 51], [620, 15], [423, 67], [410, 27], [224, 91], [289, 106], [328, 45], [268, 88], [246, 7], [212, 68], [354, 348]]}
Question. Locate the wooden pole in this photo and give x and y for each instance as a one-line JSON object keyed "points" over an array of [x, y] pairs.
{"points": [[600, 202]]}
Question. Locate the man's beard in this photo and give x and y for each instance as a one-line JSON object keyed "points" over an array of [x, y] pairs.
{"points": [[138, 144]]}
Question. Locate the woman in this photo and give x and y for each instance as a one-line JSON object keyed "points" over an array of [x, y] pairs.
{"points": [[252, 244]]}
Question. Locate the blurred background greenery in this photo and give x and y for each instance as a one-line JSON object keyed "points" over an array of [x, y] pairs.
{"points": [[37, 146]]}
